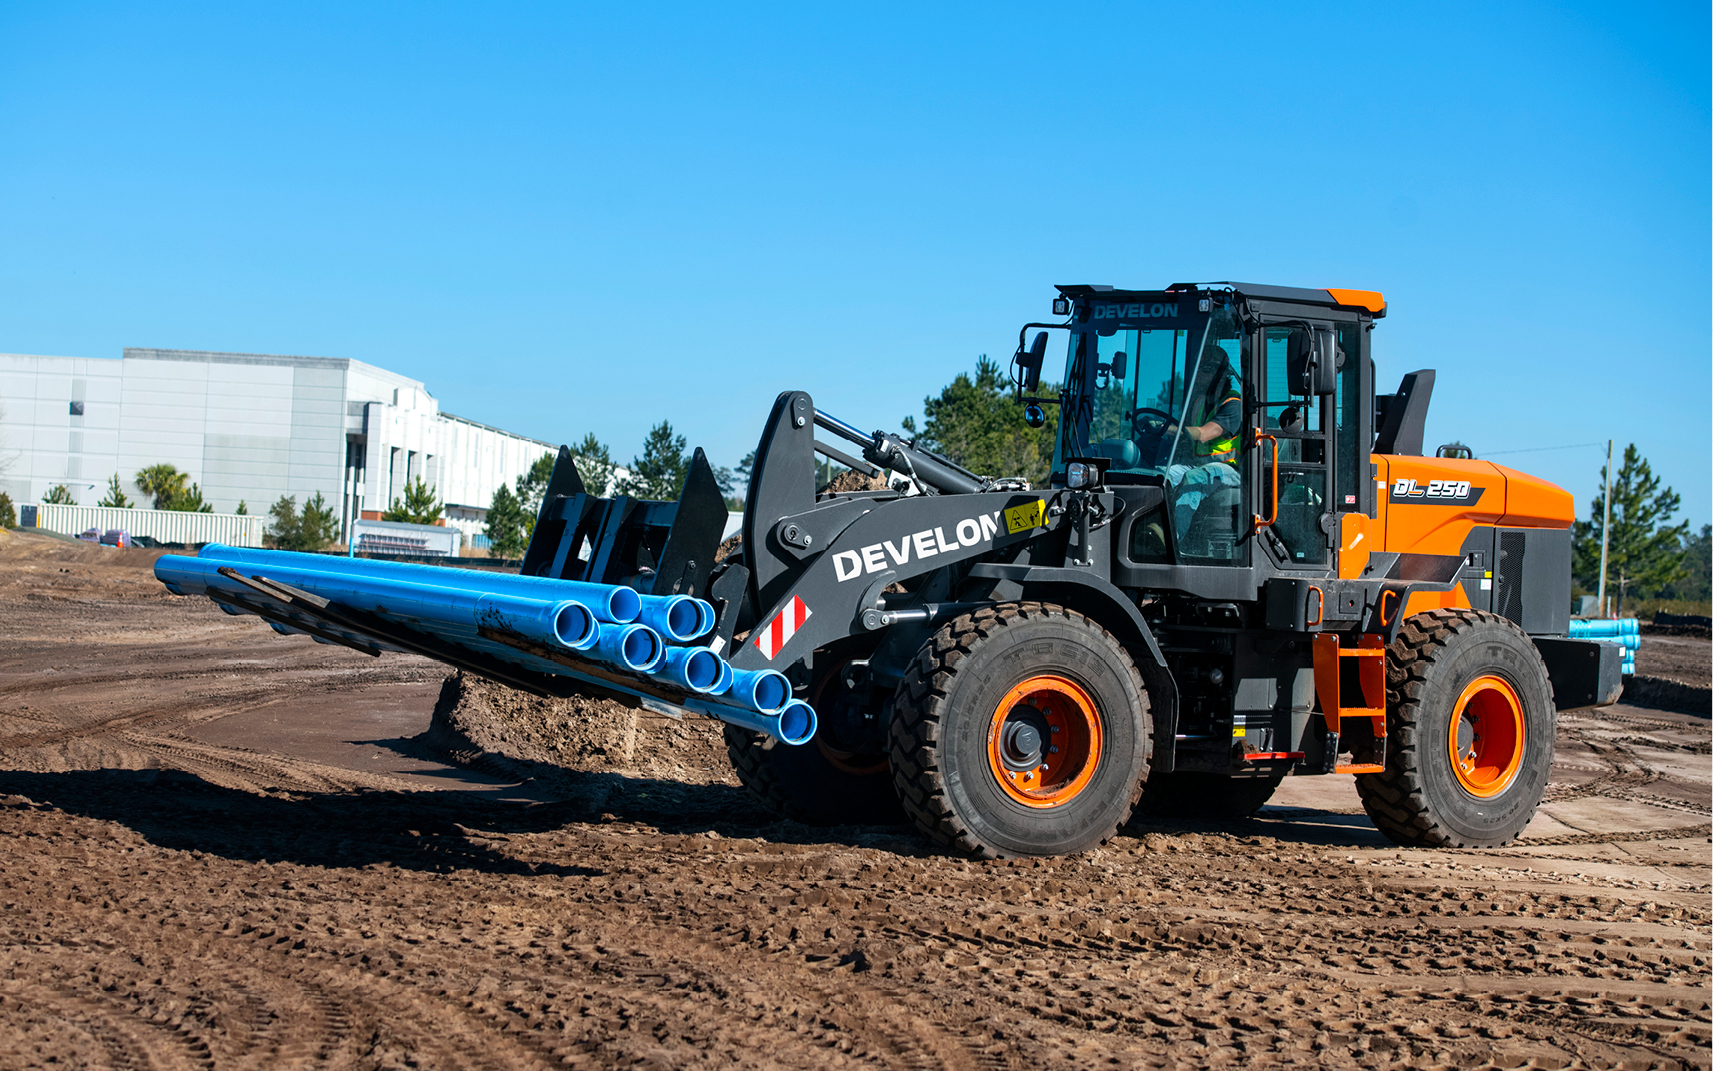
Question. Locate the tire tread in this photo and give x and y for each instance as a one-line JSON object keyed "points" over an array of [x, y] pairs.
{"points": [[1396, 800], [919, 711]]}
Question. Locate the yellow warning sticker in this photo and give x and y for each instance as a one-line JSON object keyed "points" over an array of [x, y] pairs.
{"points": [[1028, 515], [1237, 731]]}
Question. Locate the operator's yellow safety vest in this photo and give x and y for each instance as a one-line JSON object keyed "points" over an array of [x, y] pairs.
{"points": [[1219, 449]]}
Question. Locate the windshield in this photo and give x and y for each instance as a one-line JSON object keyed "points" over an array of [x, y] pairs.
{"points": [[1161, 394], [1147, 398]]}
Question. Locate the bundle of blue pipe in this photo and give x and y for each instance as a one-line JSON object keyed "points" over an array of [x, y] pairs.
{"points": [[607, 626], [1624, 631]]}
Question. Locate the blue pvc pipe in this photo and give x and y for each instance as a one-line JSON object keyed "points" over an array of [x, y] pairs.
{"points": [[1627, 628], [678, 617], [631, 647], [724, 684], [456, 604], [608, 602], [656, 665], [695, 668], [795, 724], [564, 623], [765, 691]]}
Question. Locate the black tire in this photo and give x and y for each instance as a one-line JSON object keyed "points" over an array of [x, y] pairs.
{"points": [[815, 783], [1193, 794], [1422, 800], [963, 689]]}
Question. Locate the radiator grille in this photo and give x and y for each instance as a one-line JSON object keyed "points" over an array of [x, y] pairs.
{"points": [[1508, 581]]}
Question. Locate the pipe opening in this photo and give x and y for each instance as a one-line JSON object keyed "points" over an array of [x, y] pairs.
{"points": [[701, 669], [682, 619], [573, 625], [624, 604], [639, 648], [796, 722], [770, 691]]}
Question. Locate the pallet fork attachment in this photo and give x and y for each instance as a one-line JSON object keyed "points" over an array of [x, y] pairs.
{"points": [[659, 548]]}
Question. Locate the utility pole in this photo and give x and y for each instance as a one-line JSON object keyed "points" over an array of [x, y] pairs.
{"points": [[1605, 530]]}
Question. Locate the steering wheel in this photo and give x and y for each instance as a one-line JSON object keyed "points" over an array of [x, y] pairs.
{"points": [[1149, 422]]}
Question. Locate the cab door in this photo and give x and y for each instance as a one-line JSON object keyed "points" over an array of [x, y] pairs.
{"points": [[1295, 443]]}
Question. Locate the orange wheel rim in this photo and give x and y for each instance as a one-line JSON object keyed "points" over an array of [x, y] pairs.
{"points": [[1486, 738], [1043, 744]]}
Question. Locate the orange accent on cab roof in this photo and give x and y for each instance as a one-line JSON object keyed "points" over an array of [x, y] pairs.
{"points": [[1371, 300]]}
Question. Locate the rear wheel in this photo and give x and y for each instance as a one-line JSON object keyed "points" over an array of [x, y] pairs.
{"points": [[1191, 794], [830, 781], [1470, 733], [1020, 730]]}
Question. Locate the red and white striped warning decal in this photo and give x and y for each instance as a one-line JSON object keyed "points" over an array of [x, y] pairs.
{"points": [[778, 632]]}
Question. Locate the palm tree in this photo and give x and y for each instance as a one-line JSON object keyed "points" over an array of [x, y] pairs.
{"points": [[165, 483]]}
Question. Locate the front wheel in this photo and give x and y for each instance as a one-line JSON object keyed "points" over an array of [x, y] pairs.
{"points": [[1470, 733], [1021, 729]]}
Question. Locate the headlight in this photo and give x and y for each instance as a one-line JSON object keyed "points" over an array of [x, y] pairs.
{"points": [[1079, 475]]}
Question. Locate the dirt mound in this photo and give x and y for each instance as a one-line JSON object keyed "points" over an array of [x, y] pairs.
{"points": [[21, 544], [579, 735], [852, 480], [594, 754]]}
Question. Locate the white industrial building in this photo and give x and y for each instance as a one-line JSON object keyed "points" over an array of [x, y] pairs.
{"points": [[247, 428]]}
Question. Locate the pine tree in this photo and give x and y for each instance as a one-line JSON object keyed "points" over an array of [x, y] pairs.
{"points": [[317, 526], [1644, 554], [505, 527], [594, 465], [115, 495], [311, 530], [243, 509], [418, 506], [59, 495], [660, 472], [8, 512], [190, 501], [283, 531], [1694, 582], [978, 424], [532, 485]]}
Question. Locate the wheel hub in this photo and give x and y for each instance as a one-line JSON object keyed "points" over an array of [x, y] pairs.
{"points": [[1022, 740], [1486, 737], [1044, 741]]}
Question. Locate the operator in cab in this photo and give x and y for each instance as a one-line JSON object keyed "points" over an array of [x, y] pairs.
{"points": [[1212, 432], [1214, 411]]}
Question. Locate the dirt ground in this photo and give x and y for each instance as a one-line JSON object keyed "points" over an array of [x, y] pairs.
{"points": [[224, 848]]}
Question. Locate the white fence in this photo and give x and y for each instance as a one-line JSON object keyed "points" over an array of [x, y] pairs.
{"points": [[161, 525]]}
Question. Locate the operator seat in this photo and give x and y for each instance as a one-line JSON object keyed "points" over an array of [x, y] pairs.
{"points": [[1212, 531]]}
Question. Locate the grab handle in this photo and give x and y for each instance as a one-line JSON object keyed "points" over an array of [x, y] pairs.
{"points": [[1267, 522]]}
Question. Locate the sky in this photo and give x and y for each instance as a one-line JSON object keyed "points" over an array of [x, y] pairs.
{"points": [[568, 218]]}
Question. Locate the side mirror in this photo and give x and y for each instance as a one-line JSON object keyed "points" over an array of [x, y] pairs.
{"points": [[1313, 361], [1034, 415], [1029, 363], [1120, 366], [1325, 362]]}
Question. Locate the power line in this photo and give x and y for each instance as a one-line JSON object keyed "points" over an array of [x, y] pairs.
{"points": [[1538, 449]]}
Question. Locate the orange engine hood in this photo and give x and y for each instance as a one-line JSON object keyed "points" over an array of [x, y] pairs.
{"points": [[1427, 505]]}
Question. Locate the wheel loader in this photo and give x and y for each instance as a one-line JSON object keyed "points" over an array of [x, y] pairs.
{"points": [[1242, 568]]}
